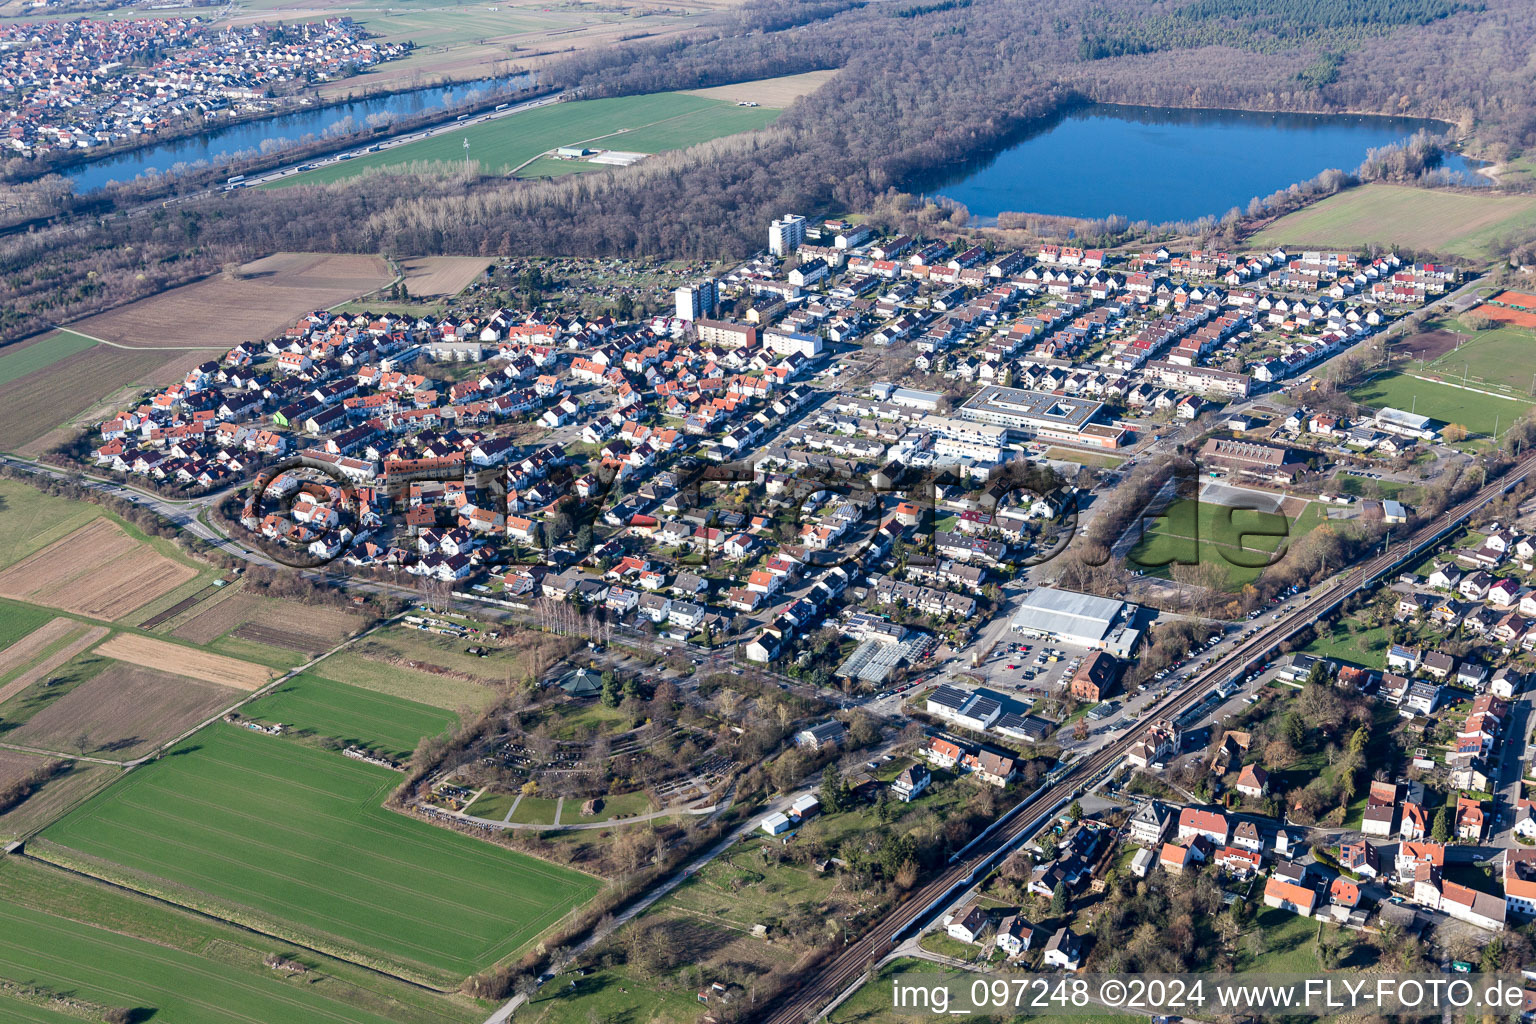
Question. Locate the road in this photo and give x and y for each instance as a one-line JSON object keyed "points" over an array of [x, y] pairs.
{"points": [[820, 989]]}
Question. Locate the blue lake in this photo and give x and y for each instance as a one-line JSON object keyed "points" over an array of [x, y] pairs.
{"points": [[225, 142], [1159, 164]]}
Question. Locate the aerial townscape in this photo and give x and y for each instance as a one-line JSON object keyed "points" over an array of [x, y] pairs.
{"points": [[625, 513]]}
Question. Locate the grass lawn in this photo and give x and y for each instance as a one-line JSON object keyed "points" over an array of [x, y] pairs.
{"points": [[1085, 458], [491, 805], [1442, 222], [573, 717], [18, 361], [32, 520], [1357, 486], [945, 945], [535, 810], [293, 840], [644, 124], [1478, 412], [627, 804], [608, 994], [1290, 943], [420, 687], [72, 936], [1384, 720], [1367, 647], [746, 886], [352, 714]]}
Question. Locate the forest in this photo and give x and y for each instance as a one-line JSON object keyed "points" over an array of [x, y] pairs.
{"points": [[921, 86]]}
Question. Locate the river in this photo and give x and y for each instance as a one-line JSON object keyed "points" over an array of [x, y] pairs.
{"points": [[1159, 164], [237, 138]]}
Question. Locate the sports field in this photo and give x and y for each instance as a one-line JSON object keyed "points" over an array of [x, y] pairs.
{"points": [[1456, 224], [349, 713], [645, 124], [294, 841], [1499, 355], [68, 936], [1240, 541], [1479, 412]]}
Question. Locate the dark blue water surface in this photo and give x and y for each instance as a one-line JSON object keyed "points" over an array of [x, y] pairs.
{"points": [[222, 143], [1157, 164]]}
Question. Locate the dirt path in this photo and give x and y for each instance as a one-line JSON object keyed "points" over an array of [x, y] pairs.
{"points": [[145, 348]]}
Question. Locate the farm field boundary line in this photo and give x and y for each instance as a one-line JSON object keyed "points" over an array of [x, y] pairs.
{"points": [[203, 915], [58, 928]]}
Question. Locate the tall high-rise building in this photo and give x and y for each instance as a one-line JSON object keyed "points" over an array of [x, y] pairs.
{"points": [[786, 234], [697, 300]]}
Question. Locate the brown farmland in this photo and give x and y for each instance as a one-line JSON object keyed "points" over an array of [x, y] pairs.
{"points": [[125, 710], [263, 299], [186, 661], [769, 92], [52, 662], [294, 627], [34, 643], [40, 402], [441, 276], [217, 619], [98, 570]]}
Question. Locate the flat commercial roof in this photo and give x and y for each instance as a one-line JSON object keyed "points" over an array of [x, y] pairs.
{"points": [[1068, 614], [1017, 407]]}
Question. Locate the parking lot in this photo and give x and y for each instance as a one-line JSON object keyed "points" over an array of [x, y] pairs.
{"points": [[1031, 667]]}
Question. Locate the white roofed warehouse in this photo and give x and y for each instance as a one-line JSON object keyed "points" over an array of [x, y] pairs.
{"points": [[1073, 618]]}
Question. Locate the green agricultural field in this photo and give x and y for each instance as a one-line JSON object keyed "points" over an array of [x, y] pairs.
{"points": [[1240, 541], [293, 841], [452, 25], [351, 714], [67, 935], [1456, 224], [17, 620], [17, 361], [31, 520], [1479, 412], [644, 124]]}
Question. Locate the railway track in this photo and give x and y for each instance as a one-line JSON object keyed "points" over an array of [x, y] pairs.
{"points": [[813, 997]]}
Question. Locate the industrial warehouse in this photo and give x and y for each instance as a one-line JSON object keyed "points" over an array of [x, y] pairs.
{"points": [[1082, 620]]}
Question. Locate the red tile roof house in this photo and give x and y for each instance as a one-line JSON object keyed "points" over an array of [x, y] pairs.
{"points": [[1175, 858], [1253, 782], [1282, 895], [1211, 824], [1344, 893]]}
